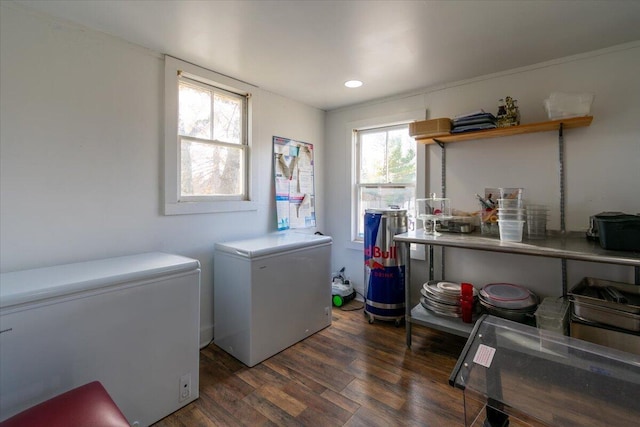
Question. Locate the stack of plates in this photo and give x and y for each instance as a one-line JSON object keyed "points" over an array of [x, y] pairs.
{"points": [[510, 301], [442, 298]]}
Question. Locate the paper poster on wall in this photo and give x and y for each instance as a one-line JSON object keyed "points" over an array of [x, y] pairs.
{"points": [[295, 196]]}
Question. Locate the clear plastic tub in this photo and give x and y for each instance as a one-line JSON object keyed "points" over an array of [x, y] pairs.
{"points": [[563, 105], [511, 231], [510, 216], [537, 219], [553, 315], [511, 210], [489, 228], [537, 208], [510, 203], [536, 224], [511, 193], [536, 230]]}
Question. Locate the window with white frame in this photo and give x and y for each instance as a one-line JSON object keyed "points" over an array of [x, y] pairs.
{"points": [[207, 141], [385, 170], [211, 130]]}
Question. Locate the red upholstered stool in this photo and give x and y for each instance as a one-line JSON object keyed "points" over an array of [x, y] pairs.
{"points": [[86, 406]]}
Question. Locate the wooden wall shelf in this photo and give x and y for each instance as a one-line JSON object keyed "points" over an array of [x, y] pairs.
{"points": [[552, 125]]}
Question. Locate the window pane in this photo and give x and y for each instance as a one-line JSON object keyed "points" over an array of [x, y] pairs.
{"points": [[382, 197], [227, 124], [402, 157], [208, 169], [387, 172], [194, 111], [387, 157], [373, 153]]}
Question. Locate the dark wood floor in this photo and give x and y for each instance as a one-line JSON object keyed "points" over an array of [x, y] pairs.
{"points": [[350, 374]]}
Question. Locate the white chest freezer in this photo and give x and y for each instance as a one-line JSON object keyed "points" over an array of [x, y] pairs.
{"points": [[270, 292], [132, 323]]}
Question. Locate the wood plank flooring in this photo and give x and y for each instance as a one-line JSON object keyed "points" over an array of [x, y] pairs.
{"points": [[350, 374]]}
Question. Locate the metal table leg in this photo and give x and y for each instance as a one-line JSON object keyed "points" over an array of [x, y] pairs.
{"points": [[407, 292]]}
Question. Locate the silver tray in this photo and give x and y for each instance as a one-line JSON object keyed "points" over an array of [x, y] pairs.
{"points": [[583, 293], [449, 313], [436, 298], [607, 316]]}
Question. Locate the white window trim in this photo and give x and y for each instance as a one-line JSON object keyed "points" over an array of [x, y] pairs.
{"points": [[172, 203], [421, 164]]}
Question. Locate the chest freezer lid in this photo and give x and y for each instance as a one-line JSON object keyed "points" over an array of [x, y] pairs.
{"points": [[35, 285], [273, 243]]}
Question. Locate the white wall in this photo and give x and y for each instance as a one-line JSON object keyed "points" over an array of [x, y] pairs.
{"points": [[81, 145], [602, 162]]}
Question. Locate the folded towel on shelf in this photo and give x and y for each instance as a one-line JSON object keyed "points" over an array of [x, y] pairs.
{"points": [[474, 120], [478, 120], [472, 127], [469, 114]]}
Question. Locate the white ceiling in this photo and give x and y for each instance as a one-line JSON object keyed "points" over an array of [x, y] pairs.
{"points": [[306, 50]]}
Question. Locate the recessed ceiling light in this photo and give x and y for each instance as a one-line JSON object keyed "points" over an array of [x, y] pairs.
{"points": [[353, 83]]}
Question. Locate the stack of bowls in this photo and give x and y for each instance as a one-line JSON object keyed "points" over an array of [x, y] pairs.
{"points": [[537, 221], [511, 215]]}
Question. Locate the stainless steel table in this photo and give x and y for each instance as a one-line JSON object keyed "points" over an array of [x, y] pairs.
{"points": [[567, 246]]}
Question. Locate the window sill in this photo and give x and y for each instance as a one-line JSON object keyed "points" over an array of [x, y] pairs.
{"points": [[356, 245], [185, 208]]}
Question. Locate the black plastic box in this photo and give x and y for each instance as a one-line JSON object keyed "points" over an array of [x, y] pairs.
{"points": [[619, 232]]}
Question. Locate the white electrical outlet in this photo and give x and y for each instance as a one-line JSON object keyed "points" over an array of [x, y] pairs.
{"points": [[185, 387]]}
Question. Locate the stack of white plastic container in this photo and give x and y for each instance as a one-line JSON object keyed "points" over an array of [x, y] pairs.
{"points": [[511, 214]]}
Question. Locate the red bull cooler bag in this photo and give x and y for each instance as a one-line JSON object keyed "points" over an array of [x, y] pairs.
{"points": [[384, 262]]}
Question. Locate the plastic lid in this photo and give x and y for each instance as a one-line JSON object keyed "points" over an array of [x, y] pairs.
{"points": [[618, 217], [507, 295]]}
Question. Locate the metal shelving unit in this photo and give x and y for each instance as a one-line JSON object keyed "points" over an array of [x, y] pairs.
{"points": [[561, 245], [569, 246]]}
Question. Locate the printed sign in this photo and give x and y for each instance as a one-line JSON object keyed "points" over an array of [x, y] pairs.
{"points": [[295, 195], [484, 355]]}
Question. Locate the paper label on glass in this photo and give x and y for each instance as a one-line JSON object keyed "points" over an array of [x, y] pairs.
{"points": [[484, 355]]}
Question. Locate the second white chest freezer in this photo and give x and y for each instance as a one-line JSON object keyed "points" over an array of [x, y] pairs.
{"points": [[270, 292], [130, 322]]}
